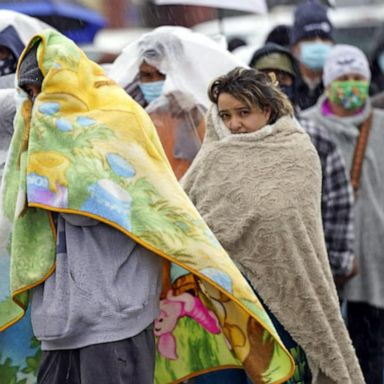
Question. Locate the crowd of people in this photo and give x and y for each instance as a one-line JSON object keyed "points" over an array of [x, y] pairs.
{"points": [[184, 217]]}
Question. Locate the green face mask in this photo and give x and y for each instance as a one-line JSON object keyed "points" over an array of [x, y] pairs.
{"points": [[350, 94]]}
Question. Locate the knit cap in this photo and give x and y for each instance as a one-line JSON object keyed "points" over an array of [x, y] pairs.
{"points": [[29, 71], [345, 60], [279, 35], [311, 20]]}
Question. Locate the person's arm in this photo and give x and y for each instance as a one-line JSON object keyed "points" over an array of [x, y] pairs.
{"points": [[336, 205], [338, 217]]}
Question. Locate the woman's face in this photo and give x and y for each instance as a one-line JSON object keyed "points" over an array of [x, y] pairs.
{"points": [[238, 117]]}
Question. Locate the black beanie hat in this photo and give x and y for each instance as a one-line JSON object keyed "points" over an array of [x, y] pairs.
{"points": [[29, 71], [279, 35], [311, 20]]}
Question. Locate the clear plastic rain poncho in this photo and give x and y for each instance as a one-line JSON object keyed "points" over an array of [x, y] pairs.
{"points": [[190, 61]]}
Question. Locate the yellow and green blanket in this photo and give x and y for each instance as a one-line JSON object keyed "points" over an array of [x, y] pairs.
{"points": [[86, 147]]}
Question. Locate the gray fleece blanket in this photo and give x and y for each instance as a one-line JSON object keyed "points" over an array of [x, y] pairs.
{"points": [[260, 194]]}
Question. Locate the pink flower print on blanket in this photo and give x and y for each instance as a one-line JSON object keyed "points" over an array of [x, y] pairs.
{"points": [[171, 310]]}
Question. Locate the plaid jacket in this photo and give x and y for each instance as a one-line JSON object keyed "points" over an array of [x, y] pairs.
{"points": [[336, 200]]}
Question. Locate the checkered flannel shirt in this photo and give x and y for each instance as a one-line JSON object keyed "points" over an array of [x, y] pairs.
{"points": [[336, 200]]}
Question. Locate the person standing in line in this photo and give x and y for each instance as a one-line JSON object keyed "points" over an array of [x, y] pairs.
{"points": [[311, 41], [257, 183], [10, 49], [345, 111], [15, 31], [279, 35], [167, 71], [337, 194], [89, 208], [94, 262]]}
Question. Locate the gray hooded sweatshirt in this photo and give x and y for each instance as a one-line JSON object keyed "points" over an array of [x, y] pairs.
{"points": [[105, 288], [368, 285]]}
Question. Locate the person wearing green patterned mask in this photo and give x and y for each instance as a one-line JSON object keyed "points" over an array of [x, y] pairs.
{"points": [[349, 93], [346, 79], [346, 113]]}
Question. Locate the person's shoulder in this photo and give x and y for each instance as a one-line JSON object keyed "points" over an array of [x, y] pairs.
{"points": [[378, 101], [377, 124], [320, 137], [378, 113], [309, 112], [313, 127]]}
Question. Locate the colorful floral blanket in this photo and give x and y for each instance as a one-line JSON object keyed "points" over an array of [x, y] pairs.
{"points": [[85, 147]]}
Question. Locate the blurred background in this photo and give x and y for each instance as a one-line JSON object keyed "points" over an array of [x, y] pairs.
{"points": [[103, 27]]}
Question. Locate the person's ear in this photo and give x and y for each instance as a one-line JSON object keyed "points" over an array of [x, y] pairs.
{"points": [[267, 114]]}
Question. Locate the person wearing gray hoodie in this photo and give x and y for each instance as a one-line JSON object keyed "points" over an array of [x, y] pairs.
{"points": [[94, 315]]}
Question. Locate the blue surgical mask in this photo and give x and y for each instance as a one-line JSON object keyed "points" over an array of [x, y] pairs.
{"points": [[314, 54], [380, 62], [152, 91]]}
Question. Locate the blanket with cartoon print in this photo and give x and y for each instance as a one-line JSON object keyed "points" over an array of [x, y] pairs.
{"points": [[86, 147]]}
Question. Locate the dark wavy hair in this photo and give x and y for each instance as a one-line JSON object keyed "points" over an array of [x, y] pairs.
{"points": [[253, 88]]}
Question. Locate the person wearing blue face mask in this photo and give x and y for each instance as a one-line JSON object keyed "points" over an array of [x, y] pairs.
{"points": [[176, 115], [171, 113], [167, 71], [311, 41], [151, 82]]}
